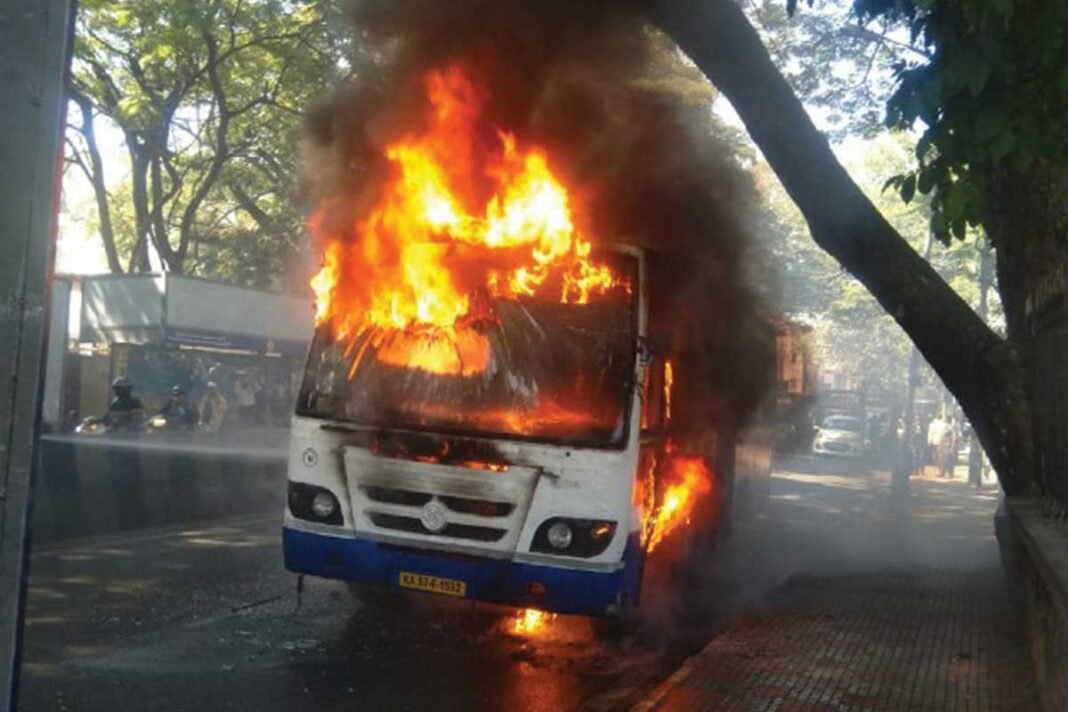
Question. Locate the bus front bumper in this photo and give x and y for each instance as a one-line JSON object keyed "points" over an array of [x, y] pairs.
{"points": [[548, 588]]}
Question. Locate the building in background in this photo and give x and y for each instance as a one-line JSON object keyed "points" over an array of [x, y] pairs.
{"points": [[162, 330], [796, 386]]}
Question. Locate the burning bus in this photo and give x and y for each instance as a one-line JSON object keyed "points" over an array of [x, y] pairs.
{"points": [[494, 408]]}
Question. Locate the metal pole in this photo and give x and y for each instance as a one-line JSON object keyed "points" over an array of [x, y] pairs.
{"points": [[34, 42], [986, 278]]}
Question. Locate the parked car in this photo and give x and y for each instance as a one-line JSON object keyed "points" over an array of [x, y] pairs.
{"points": [[841, 435]]}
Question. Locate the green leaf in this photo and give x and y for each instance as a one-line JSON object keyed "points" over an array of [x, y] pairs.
{"points": [[989, 124], [978, 73], [953, 202], [1002, 145], [908, 187], [922, 147], [1005, 7], [925, 180]]}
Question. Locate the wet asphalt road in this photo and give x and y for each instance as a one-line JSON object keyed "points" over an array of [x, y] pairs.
{"points": [[205, 618]]}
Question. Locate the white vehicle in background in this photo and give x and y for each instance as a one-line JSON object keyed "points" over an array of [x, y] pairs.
{"points": [[841, 435]]}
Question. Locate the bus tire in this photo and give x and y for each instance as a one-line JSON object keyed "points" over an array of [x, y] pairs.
{"points": [[612, 628]]}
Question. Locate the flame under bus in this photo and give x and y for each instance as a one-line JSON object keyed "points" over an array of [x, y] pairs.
{"points": [[513, 485]]}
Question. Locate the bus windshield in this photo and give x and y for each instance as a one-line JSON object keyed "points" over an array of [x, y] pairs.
{"points": [[551, 371]]}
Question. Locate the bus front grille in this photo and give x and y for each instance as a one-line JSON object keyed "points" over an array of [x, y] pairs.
{"points": [[456, 531], [390, 495], [476, 509], [464, 505]]}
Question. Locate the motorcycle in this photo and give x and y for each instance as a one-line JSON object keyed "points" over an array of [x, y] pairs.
{"points": [[92, 426], [96, 426]]}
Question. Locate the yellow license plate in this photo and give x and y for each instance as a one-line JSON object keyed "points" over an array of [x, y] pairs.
{"points": [[433, 584]]}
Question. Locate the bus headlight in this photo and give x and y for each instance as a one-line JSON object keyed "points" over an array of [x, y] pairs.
{"points": [[314, 504], [581, 538], [559, 535], [323, 505]]}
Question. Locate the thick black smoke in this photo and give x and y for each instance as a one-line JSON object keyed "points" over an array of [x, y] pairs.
{"points": [[628, 125]]}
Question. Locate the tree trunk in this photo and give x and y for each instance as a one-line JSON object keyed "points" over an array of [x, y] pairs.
{"points": [[159, 202], [148, 201], [139, 261], [96, 178], [981, 370], [1027, 222]]}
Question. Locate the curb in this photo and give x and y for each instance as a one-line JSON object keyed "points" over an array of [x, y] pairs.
{"points": [[654, 698]]}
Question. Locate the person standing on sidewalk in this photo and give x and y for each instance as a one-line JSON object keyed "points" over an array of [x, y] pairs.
{"points": [[947, 449], [936, 433]]}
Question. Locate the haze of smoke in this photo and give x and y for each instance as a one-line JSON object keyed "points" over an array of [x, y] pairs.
{"points": [[628, 127]]}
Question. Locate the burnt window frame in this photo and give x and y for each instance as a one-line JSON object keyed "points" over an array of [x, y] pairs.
{"points": [[318, 345]]}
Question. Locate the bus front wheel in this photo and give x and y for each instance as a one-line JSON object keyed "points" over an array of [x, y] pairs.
{"points": [[613, 628]]}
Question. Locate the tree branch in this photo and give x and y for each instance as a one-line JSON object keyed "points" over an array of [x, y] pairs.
{"points": [[76, 159], [972, 361], [249, 205], [864, 32], [871, 61], [94, 171], [221, 149]]}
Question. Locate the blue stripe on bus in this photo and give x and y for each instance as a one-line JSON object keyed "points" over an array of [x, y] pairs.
{"points": [[492, 580]]}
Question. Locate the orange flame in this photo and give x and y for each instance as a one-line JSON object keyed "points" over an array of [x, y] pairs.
{"points": [[668, 493], [669, 382], [686, 479], [413, 263], [532, 622]]}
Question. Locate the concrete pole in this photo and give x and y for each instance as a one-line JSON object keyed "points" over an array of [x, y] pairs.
{"points": [[34, 42]]}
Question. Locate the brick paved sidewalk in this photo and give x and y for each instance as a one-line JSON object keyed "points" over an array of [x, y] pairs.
{"points": [[880, 606]]}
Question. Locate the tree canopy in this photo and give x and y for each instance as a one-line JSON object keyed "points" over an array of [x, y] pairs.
{"points": [[991, 91], [980, 368], [209, 98]]}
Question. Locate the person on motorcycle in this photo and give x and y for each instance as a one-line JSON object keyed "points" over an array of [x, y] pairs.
{"points": [[124, 411], [179, 412]]}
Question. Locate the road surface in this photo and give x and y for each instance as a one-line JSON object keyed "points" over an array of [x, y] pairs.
{"points": [[205, 618]]}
